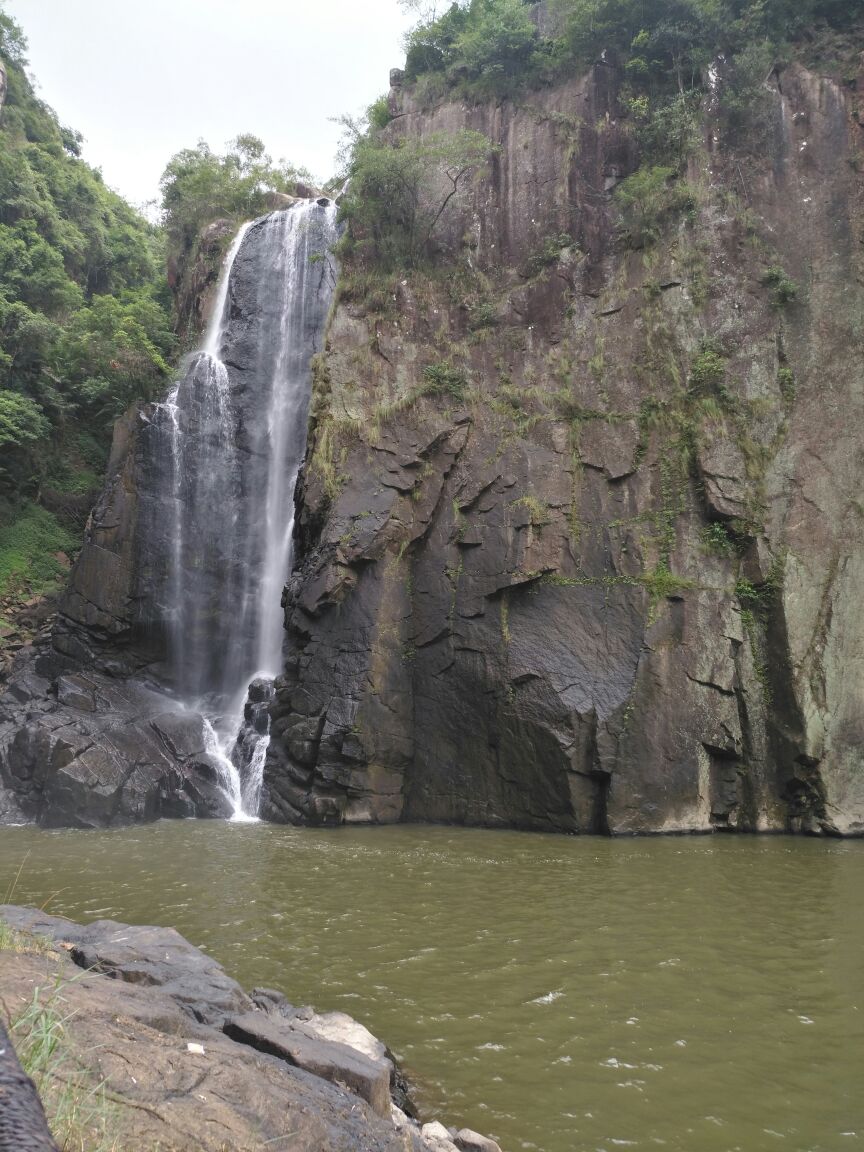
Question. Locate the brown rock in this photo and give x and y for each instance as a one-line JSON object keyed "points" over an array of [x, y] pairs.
{"points": [[335, 1062]]}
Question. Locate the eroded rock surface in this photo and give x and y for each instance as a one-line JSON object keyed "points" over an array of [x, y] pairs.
{"points": [[597, 583]]}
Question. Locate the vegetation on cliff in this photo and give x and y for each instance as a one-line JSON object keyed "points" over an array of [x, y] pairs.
{"points": [[200, 187], [400, 191], [494, 47], [670, 56], [85, 326], [615, 325]]}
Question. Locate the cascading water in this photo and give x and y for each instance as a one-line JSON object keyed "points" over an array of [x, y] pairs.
{"points": [[232, 436]]}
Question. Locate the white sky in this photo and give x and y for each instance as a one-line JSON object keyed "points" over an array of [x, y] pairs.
{"points": [[141, 79]]}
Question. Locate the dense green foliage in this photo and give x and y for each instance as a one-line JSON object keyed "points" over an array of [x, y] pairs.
{"points": [[85, 322], [84, 309], [485, 44], [199, 186], [492, 46], [29, 546], [400, 191]]}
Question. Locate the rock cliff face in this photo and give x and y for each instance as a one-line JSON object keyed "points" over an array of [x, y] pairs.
{"points": [[580, 533], [581, 522]]}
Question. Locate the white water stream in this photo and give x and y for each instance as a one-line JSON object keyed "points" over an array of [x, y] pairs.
{"points": [[234, 436]]}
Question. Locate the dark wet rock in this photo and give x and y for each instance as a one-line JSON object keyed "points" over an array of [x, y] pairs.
{"points": [[76, 692], [182, 733], [88, 749]]}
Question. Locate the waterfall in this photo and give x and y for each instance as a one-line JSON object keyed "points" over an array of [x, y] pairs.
{"points": [[230, 440]]}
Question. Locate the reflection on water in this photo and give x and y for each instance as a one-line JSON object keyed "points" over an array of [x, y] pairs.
{"points": [[698, 995]]}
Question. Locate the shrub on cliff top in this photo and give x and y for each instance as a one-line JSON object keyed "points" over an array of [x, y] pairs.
{"points": [[486, 45], [400, 192], [199, 186], [664, 47]]}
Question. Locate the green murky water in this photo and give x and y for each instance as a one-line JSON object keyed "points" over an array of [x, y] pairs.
{"points": [[701, 995]]}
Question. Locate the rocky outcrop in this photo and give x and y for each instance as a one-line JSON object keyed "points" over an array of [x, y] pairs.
{"points": [[86, 738], [193, 279], [83, 749], [581, 547], [192, 1062]]}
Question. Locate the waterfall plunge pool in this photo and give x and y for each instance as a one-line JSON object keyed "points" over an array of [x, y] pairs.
{"points": [[564, 995]]}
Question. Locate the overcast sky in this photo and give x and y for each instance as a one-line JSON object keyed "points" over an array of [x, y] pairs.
{"points": [[141, 79]]}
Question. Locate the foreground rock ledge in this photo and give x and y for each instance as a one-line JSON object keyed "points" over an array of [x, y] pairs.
{"points": [[195, 1062]]}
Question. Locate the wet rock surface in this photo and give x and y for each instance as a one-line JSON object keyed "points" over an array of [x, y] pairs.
{"points": [[193, 1064], [573, 594], [84, 749]]}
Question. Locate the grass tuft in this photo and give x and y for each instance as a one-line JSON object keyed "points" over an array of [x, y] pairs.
{"points": [[81, 1116]]}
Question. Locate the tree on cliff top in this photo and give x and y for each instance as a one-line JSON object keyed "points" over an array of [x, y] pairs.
{"points": [[492, 46], [400, 191], [199, 186]]}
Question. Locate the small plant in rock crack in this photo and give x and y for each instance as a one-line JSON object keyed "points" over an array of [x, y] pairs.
{"points": [[784, 290], [708, 371], [445, 380], [716, 540]]}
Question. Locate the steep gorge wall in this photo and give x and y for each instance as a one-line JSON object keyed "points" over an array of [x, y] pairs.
{"points": [[571, 590]]}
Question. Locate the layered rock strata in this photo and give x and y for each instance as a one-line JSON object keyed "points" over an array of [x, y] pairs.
{"points": [[581, 523]]}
